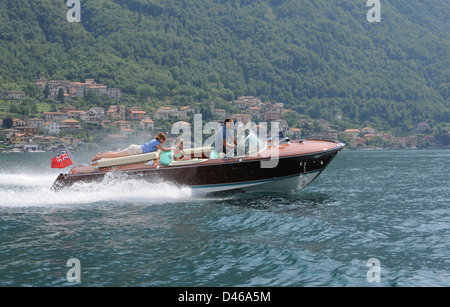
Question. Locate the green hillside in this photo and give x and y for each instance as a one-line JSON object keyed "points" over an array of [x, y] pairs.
{"points": [[318, 57]]}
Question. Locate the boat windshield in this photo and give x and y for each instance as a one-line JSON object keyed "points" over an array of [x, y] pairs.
{"points": [[249, 146]]}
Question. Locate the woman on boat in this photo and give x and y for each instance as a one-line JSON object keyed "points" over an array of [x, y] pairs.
{"points": [[151, 146]]}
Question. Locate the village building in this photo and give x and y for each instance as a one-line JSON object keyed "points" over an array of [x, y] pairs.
{"points": [[53, 93], [76, 89], [28, 129], [245, 102], [188, 110], [51, 128], [21, 139], [122, 124], [55, 116], [67, 109], [99, 111], [370, 136], [76, 114], [19, 95], [324, 124], [89, 116], [137, 115], [99, 89], [244, 118], [146, 124], [428, 138], [330, 134], [105, 123], [178, 114], [8, 133], [167, 112], [17, 122], [71, 141], [126, 131], [113, 92], [221, 113], [240, 104], [367, 130], [49, 141], [35, 122], [277, 107], [353, 136], [69, 125], [405, 142], [282, 124], [72, 91], [423, 127], [272, 115], [135, 108], [254, 112], [116, 112], [352, 133], [41, 83], [294, 133]]}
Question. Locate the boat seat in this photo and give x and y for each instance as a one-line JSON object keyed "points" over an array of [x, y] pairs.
{"points": [[198, 151], [128, 160]]}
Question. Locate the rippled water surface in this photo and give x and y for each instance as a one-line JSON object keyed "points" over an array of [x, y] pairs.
{"points": [[389, 205]]}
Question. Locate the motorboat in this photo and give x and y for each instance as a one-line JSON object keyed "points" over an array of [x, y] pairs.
{"points": [[283, 166]]}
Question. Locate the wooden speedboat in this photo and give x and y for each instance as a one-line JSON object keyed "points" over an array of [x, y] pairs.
{"points": [[283, 167]]}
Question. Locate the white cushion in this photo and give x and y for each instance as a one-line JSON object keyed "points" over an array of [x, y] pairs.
{"points": [[127, 160]]}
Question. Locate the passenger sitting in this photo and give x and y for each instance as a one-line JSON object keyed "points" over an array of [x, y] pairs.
{"points": [[178, 152], [135, 149]]}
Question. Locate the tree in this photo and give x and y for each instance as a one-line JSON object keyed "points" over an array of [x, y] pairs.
{"points": [[7, 122], [46, 91], [61, 95], [31, 90]]}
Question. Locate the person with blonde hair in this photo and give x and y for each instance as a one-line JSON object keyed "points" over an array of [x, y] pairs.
{"points": [[151, 146]]}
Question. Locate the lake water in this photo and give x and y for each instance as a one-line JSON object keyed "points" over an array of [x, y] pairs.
{"points": [[389, 205]]}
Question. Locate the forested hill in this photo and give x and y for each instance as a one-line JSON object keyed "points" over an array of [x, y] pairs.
{"points": [[319, 57]]}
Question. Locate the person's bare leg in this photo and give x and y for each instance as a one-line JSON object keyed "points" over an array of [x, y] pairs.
{"points": [[110, 154]]}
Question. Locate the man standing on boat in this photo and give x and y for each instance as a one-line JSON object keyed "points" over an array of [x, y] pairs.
{"points": [[224, 140]]}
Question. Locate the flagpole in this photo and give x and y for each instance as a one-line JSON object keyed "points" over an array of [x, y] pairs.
{"points": [[70, 154]]}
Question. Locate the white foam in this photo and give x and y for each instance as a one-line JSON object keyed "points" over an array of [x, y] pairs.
{"points": [[25, 190]]}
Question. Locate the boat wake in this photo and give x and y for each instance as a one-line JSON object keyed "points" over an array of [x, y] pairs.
{"points": [[34, 190]]}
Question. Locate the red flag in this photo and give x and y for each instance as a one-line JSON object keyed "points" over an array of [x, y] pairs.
{"points": [[62, 161]]}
